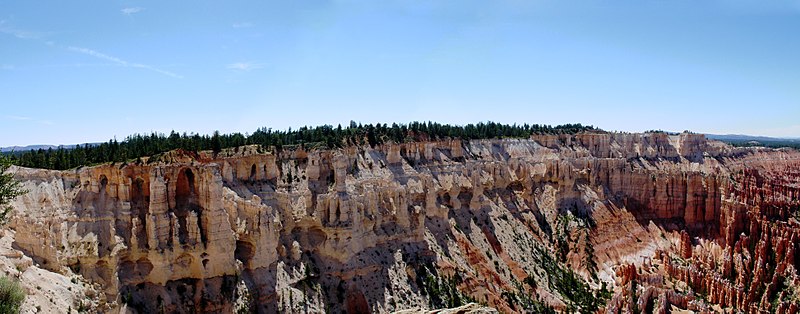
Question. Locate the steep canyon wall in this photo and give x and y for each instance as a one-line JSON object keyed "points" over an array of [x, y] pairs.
{"points": [[654, 218]]}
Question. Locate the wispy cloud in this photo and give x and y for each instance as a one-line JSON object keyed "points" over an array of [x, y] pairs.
{"points": [[121, 62], [96, 54], [37, 36], [132, 10], [22, 34], [243, 25], [11, 67], [80, 65], [245, 66], [28, 119]]}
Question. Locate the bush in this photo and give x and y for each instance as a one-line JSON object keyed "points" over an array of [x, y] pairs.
{"points": [[11, 296], [9, 189]]}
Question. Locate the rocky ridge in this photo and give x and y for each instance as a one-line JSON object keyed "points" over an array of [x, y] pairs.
{"points": [[644, 221]]}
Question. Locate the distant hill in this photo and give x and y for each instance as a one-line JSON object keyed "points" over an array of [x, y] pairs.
{"points": [[37, 147], [749, 140], [741, 137], [26, 148]]}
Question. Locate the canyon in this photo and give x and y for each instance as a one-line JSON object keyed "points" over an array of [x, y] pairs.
{"points": [[588, 222]]}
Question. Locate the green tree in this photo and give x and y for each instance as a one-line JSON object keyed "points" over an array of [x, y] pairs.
{"points": [[9, 189], [216, 143], [11, 294], [141, 145]]}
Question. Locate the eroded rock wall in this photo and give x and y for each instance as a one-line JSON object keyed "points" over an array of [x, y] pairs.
{"points": [[400, 225]]}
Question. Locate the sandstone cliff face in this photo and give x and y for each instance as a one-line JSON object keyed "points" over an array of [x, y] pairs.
{"points": [[428, 224]]}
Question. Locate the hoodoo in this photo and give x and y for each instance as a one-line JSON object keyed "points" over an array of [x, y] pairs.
{"points": [[587, 222]]}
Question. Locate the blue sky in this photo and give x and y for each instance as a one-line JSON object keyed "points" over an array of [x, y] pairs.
{"points": [[87, 71]]}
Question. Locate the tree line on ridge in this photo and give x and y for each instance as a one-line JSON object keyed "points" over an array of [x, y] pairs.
{"points": [[326, 136]]}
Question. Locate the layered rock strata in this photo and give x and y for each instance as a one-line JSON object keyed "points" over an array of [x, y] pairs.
{"points": [[661, 220]]}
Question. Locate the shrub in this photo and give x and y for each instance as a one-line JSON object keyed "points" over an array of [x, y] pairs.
{"points": [[11, 296], [9, 189]]}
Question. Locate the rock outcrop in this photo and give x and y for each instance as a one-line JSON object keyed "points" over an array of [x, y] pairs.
{"points": [[660, 220]]}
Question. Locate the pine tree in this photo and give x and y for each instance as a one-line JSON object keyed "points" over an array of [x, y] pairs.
{"points": [[141, 145], [216, 143]]}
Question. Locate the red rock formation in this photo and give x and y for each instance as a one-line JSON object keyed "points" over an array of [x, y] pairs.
{"points": [[664, 220], [686, 245]]}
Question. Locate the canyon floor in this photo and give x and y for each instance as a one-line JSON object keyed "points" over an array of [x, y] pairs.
{"points": [[588, 223]]}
